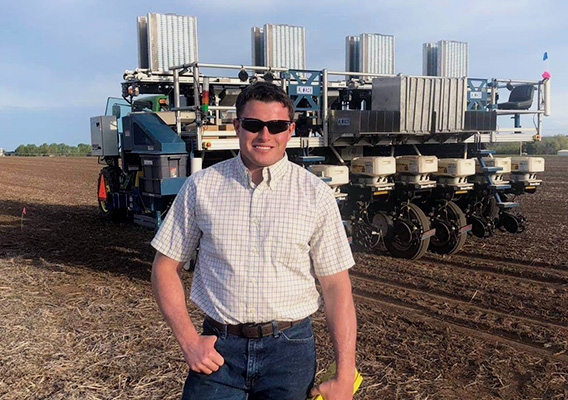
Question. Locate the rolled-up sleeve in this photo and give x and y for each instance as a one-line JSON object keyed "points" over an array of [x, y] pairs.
{"points": [[179, 234], [329, 249]]}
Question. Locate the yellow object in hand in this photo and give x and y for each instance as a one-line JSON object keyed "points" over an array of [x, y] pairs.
{"points": [[330, 373]]}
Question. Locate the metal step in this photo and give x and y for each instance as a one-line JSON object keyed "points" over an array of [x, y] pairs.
{"points": [[492, 169], [508, 204], [311, 159], [484, 152], [145, 221], [500, 187]]}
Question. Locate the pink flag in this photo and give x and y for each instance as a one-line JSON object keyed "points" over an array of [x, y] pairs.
{"points": [[546, 75], [24, 211]]}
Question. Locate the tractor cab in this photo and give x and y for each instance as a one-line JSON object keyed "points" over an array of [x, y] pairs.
{"points": [[151, 104]]}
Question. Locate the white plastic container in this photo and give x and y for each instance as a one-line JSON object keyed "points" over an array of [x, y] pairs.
{"points": [[374, 166], [455, 167], [527, 165], [416, 165], [339, 174], [503, 162]]}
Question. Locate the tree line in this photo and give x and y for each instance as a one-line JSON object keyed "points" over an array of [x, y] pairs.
{"points": [[53, 149], [547, 145]]}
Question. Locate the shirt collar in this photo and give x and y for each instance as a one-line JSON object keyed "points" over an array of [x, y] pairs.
{"points": [[271, 174]]}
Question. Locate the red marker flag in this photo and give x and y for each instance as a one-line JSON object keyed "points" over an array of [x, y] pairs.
{"points": [[24, 212]]}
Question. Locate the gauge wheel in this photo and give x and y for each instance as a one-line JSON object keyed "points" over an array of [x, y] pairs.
{"points": [[448, 239], [382, 224], [109, 181], [479, 227], [406, 240], [512, 223]]}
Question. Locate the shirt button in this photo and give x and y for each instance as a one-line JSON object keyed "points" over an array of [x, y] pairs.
{"points": [[254, 250], [255, 221]]}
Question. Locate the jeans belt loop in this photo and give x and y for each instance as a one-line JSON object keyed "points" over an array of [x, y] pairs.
{"points": [[275, 331], [224, 332]]}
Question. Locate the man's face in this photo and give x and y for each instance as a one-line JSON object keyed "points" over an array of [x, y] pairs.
{"points": [[263, 149]]}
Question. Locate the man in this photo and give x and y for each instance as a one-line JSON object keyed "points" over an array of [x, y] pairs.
{"points": [[265, 227]]}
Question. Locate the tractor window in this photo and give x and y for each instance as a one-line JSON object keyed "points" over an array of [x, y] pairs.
{"points": [[119, 108]]}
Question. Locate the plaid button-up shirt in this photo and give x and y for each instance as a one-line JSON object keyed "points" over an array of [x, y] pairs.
{"points": [[260, 246]]}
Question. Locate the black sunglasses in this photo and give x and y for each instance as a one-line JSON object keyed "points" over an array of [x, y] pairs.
{"points": [[255, 125]]}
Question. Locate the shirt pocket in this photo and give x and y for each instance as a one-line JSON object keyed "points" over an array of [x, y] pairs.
{"points": [[221, 232], [289, 236]]}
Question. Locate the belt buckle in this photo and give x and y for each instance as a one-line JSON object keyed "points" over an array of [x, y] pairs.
{"points": [[251, 330]]}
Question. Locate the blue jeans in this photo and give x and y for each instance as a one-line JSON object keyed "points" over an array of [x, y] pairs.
{"points": [[280, 366]]}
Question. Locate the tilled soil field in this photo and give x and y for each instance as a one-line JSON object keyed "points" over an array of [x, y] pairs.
{"points": [[78, 321]]}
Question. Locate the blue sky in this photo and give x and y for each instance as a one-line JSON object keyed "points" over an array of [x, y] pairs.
{"points": [[61, 59]]}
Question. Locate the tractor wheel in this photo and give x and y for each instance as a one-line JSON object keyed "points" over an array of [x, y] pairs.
{"points": [[406, 240], [108, 180], [448, 221]]}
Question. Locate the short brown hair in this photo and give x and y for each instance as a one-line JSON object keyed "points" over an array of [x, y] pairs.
{"points": [[265, 92]]}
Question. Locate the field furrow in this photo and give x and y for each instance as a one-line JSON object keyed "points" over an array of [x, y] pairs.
{"points": [[78, 320]]}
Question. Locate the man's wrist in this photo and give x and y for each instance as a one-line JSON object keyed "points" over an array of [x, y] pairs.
{"points": [[345, 375], [345, 378], [188, 338]]}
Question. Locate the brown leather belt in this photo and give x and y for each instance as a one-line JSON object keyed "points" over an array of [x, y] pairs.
{"points": [[252, 331]]}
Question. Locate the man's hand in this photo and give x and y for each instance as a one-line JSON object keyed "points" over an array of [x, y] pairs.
{"points": [[333, 389], [201, 355]]}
